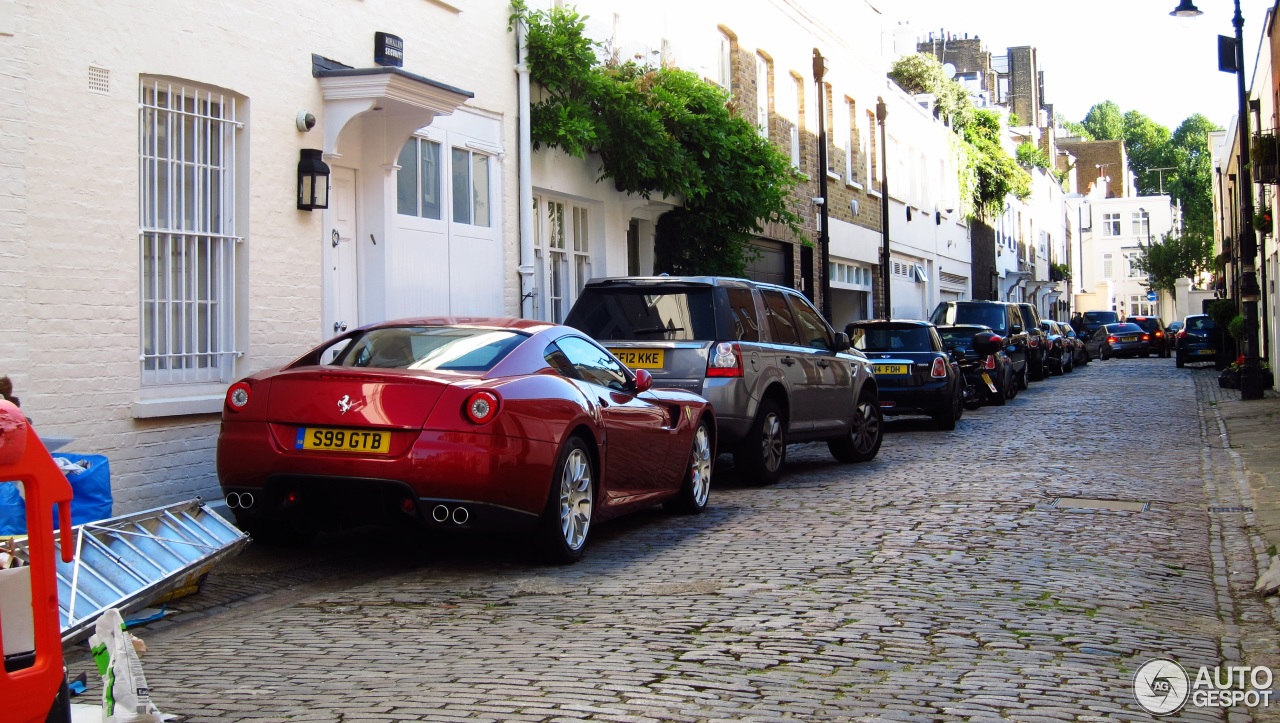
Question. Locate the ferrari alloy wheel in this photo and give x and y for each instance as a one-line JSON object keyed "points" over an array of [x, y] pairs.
{"points": [[695, 489], [760, 456], [866, 431], [566, 523]]}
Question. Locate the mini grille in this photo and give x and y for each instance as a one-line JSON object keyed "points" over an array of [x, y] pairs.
{"points": [[99, 79]]}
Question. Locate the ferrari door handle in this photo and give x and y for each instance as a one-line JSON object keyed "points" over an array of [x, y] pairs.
{"points": [[787, 360]]}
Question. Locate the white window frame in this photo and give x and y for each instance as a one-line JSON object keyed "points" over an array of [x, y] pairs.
{"points": [[563, 253], [441, 165], [724, 62], [474, 198], [189, 237], [1108, 267], [763, 74], [850, 147], [1111, 224], [797, 96], [1131, 260], [1140, 222]]}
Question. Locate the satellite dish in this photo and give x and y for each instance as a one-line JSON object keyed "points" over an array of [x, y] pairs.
{"points": [[949, 69]]}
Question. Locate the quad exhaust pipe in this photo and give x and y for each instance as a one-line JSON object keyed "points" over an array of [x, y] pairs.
{"points": [[458, 515]]}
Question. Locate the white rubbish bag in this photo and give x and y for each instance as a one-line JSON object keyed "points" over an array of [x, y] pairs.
{"points": [[125, 698]]}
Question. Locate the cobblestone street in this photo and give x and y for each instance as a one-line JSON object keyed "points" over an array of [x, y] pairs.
{"points": [[939, 582]]}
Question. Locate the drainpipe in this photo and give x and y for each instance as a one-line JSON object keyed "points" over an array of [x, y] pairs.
{"points": [[527, 289]]}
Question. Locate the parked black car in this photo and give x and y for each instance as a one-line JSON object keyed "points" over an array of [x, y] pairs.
{"points": [[1119, 340], [991, 373], [1037, 341], [913, 369], [1059, 357], [1198, 340], [1002, 317], [1077, 344], [1094, 319], [1160, 344]]}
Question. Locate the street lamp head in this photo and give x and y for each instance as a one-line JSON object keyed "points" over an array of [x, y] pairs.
{"points": [[819, 66], [1186, 9], [882, 110]]}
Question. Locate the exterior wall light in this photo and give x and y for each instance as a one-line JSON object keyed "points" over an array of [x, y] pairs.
{"points": [[313, 181]]}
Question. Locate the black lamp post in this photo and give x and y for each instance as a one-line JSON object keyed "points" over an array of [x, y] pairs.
{"points": [[824, 240], [1250, 379], [882, 112]]}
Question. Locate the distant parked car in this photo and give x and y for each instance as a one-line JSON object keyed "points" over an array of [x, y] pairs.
{"points": [[1095, 319], [493, 425], [1198, 340], [1001, 317], [914, 370], [1119, 340], [1171, 333], [1079, 356], [1037, 342], [1160, 344], [772, 368], [1059, 356], [990, 373]]}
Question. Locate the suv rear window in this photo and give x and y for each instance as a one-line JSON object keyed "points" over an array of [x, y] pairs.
{"points": [[992, 315], [1101, 317], [633, 313], [891, 339], [1148, 323]]}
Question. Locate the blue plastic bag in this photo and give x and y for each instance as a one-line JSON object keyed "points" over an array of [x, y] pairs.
{"points": [[90, 495]]}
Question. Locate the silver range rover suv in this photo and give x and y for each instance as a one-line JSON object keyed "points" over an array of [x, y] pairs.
{"points": [[774, 371]]}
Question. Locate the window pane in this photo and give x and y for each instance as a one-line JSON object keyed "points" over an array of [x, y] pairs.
{"points": [[407, 179], [461, 186], [480, 182], [782, 327], [430, 180]]}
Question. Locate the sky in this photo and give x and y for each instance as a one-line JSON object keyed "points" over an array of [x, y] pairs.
{"points": [[1131, 52]]}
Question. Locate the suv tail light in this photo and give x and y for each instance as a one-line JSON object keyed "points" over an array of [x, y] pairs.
{"points": [[1182, 333], [1159, 333], [939, 370], [1146, 337], [990, 363], [725, 361]]}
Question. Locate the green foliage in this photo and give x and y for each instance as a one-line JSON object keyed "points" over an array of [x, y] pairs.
{"points": [[923, 73], [1174, 257], [1222, 311], [1235, 327], [1147, 145], [988, 173], [1104, 122], [1192, 182], [998, 174], [1030, 156], [659, 130], [1075, 129]]}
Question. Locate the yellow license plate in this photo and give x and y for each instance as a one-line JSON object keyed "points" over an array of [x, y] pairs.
{"points": [[342, 440], [893, 369], [990, 384], [641, 358]]}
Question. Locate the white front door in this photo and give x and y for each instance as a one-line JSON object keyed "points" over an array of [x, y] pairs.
{"points": [[341, 227]]}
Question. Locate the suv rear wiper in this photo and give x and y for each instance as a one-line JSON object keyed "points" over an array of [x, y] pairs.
{"points": [[654, 329]]}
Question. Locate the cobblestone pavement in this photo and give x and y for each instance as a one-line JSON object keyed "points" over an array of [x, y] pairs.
{"points": [[939, 582]]}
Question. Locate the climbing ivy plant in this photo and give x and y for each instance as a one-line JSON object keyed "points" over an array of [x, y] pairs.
{"points": [[989, 173], [659, 130]]}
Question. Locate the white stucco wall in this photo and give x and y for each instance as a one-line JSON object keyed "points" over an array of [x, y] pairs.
{"points": [[78, 243]]}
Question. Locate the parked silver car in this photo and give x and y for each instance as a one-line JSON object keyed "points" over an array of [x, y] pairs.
{"points": [[774, 371]]}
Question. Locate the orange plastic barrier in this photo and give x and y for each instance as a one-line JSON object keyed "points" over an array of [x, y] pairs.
{"points": [[28, 694]]}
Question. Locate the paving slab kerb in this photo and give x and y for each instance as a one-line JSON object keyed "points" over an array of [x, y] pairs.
{"points": [[1253, 431], [938, 582]]}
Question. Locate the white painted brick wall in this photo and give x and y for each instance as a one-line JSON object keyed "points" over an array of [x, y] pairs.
{"points": [[69, 185]]}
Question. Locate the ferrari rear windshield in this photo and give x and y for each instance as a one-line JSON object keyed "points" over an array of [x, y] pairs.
{"points": [[645, 313], [446, 348]]}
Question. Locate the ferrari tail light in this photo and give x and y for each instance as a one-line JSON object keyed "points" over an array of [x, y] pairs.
{"points": [[238, 396], [939, 370], [481, 407], [990, 363], [725, 360]]}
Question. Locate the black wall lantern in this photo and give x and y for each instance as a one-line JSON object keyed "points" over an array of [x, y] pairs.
{"points": [[313, 181]]}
